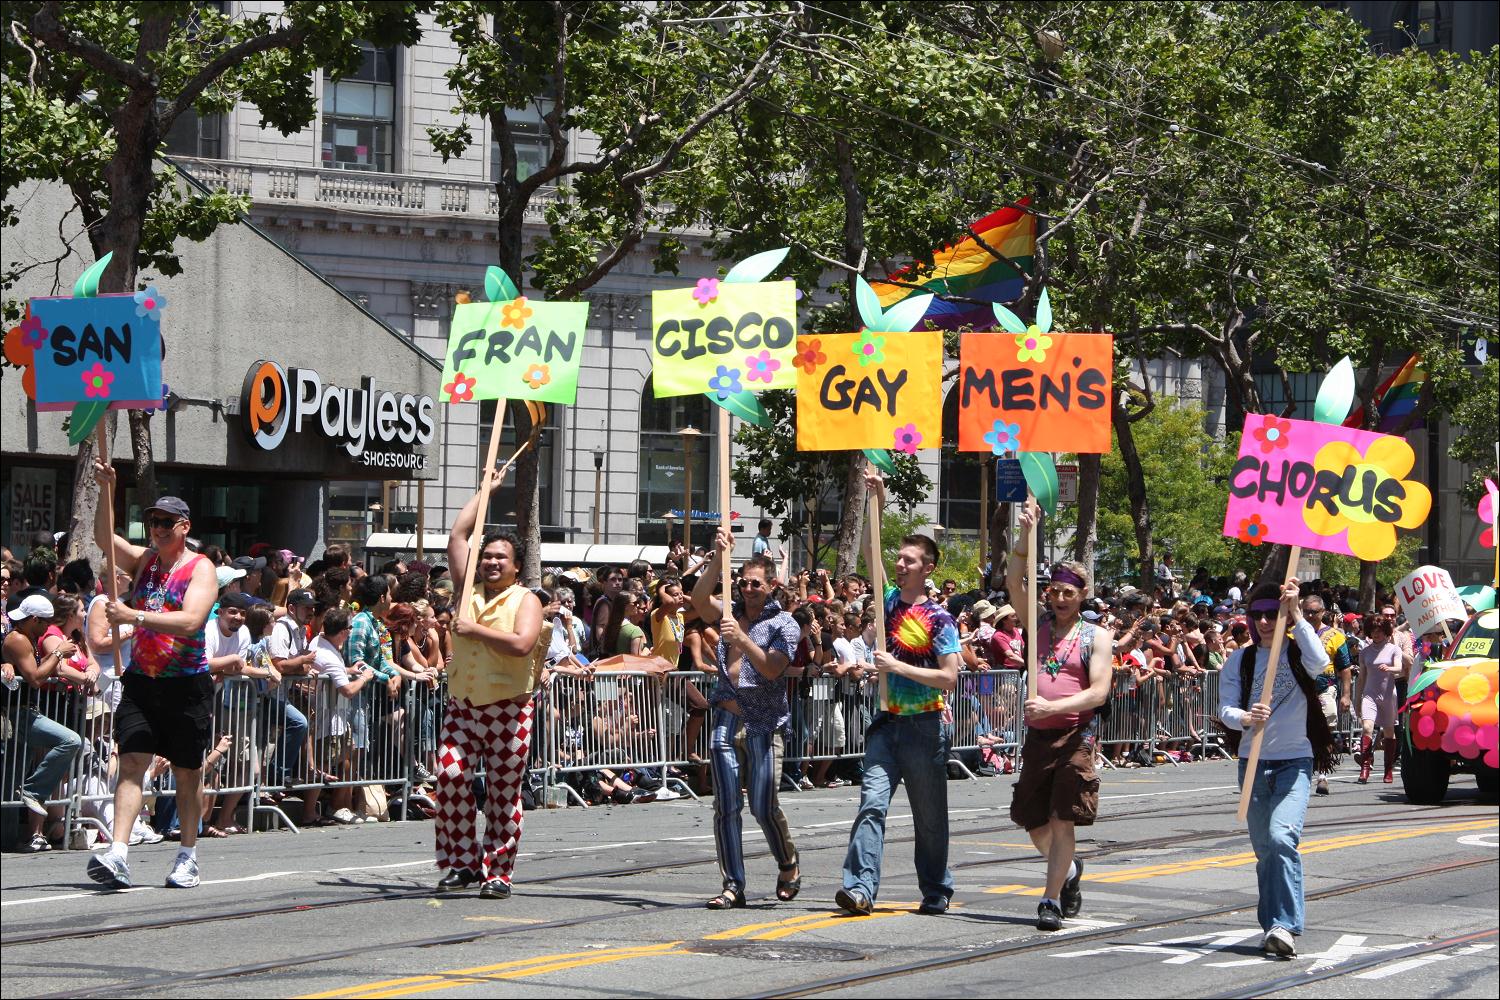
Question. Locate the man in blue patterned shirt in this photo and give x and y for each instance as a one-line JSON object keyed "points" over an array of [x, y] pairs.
{"points": [[750, 712]]}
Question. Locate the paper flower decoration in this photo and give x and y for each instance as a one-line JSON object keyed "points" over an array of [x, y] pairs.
{"points": [[706, 290], [1004, 438], [96, 381], [33, 334], [461, 389], [1459, 712], [1252, 529], [515, 313], [761, 367], [869, 349], [1272, 434], [810, 355], [149, 303], [1032, 345], [908, 438], [537, 376], [726, 383], [1369, 537], [1487, 505]]}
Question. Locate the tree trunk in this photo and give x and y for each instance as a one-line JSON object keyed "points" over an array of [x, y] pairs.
{"points": [[999, 529], [85, 504], [1273, 568], [1087, 533], [140, 449], [1135, 488], [1367, 586], [851, 517]]}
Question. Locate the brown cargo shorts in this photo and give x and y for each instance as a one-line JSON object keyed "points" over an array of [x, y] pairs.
{"points": [[1057, 779]]}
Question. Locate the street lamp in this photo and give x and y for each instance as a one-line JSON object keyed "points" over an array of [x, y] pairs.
{"points": [[688, 434], [598, 488]]}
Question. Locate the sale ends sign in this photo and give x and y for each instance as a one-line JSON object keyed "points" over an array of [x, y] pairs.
{"points": [[1323, 487]]}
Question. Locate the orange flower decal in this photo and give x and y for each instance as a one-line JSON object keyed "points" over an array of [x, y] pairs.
{"points": [[810, 355], [537, 376], [1252, 530], [515, 313]]}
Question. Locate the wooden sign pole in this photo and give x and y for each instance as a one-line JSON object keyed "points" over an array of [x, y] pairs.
{"points": [[1267, 688], [1032, 596], [877, 586], [725, 490], [477, 535], [107, 500]]}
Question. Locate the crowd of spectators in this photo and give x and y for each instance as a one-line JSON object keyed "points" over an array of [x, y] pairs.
{"points": [[345, 668]]}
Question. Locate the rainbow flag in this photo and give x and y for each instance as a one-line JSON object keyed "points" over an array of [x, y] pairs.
{"points": [[965, 268], [1395, 398]]}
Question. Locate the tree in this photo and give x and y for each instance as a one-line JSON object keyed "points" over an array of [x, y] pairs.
{"points": [[90, 90], [627, 74]]}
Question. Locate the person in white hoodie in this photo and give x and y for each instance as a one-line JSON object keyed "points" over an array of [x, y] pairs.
{"points": [[1296, 741]]}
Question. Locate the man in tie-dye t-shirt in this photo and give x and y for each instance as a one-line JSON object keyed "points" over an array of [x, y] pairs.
{"points": [[906, 740]]}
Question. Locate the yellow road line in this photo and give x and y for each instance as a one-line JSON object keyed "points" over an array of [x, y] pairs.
{"points": [[669, 948], [827, 921], [735, 932], [1003, 889]]}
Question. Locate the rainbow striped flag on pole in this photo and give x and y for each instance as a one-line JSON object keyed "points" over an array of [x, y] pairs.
{"points": [[968, 269], [1395, 398]]}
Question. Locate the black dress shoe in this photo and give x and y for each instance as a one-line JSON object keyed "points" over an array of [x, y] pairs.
{"points": [[1048, 916], [934, 906], [457, 878], [1072, 892], [494, 889], [855, 902]]}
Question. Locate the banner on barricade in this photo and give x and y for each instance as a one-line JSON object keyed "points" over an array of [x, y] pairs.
{"points": [[870, 390], [1428, 598], [723, 337], [1323, 486]]}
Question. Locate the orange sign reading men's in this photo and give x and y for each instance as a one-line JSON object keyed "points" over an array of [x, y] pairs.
{"points": [[1035, 391]]}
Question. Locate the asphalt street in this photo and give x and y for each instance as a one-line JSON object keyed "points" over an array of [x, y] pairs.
{"points": [[608, 902]]}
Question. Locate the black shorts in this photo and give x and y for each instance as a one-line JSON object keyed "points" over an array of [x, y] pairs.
{"points": [[169, 716], [1057, 779]]}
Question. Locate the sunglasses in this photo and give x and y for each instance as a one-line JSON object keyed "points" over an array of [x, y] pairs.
{"points": [[1067, 593], [161, 522], [754, 584], [1261, 616]]}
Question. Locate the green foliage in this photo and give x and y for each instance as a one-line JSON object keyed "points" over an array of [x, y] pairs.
{"points": [[1477, 420], [1343, 571]]}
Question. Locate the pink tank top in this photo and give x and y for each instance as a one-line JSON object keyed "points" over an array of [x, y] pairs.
{"points": [[1062, 671]]}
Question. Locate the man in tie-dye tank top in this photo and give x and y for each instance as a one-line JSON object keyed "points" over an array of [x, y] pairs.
{"points": [[906, 740], [166, 705]]}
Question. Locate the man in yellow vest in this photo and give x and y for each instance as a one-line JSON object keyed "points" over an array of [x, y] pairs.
{"points": [[497, 658]]}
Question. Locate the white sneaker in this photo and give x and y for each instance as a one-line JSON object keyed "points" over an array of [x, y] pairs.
{"points": [[33, 803], [1278, 942], [143, 833], [109, 871], [344, 817], [184, 874]]}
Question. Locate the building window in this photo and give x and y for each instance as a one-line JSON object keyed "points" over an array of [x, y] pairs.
{"points": [[958, 478], [503, 501], [533, 149], [196, 135], [666, 455], [359, 114], [1273, 393]]}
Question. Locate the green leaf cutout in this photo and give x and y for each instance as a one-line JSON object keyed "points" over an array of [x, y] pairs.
{"points": [[757, 267], [881, 460], [1479, 596], [1009, 320], [1041, 478], [743, 405], [85, 417], [1336, 394], [906, 314], [870, 313], [1043, 312], [87, 285], [497, 285]]}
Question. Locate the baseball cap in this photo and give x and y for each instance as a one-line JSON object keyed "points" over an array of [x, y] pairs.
{"points": [[35, 606], [175, 506], [235, 600], [250, 563], [227, 575], [1202, 599], [1090, 616], [300, 596]]}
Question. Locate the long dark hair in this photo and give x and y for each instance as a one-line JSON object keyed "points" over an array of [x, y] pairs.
{"points": [[611, 637], [1318, 733]]}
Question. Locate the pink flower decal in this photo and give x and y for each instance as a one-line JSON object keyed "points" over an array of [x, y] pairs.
{"points": [[761, 367], [96, 381], [33, 334], [706, 290], [908, 438]]}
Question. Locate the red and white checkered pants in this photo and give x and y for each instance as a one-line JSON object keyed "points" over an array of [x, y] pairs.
{"points": [[499, 735]]}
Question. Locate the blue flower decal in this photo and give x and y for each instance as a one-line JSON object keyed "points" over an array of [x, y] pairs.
{"points": [[726, 383], [149, 303], [1004, 439]]}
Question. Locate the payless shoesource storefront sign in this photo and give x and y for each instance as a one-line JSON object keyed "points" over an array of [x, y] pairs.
{"points": [[378, 428]]}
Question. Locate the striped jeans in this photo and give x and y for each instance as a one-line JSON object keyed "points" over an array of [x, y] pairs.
{"points": [[734, 752]]}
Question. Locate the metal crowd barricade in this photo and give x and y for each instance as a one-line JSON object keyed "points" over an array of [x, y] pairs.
{"points": [[1133, 713], [18, 759], [610, 721], [987, 714]]}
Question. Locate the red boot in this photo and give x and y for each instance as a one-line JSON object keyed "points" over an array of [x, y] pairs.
{"points": [[1390, 761], [1366, 758]]}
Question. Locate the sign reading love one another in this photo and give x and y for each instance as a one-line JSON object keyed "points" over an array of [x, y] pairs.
{"points": [[876, 389], [1428, 598], [102, 349], [1324, 487], [723, 337]]}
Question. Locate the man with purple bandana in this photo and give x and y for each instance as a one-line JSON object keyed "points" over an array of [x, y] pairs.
{"points": [[906, 740]]}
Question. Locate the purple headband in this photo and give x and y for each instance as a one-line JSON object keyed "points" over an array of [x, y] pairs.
{"points": [[1064, 575], [1265, 604]]}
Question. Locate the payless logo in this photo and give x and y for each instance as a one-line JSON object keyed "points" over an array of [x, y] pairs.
{"points": [[265, 406]]}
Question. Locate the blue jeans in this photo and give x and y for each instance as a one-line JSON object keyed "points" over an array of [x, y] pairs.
{"points": [[1278, 805], [913, 748], [293, 741], [61, 745], [733, 751]]}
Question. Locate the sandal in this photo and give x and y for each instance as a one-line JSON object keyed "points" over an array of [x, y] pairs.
{"points": [[787, 891], [214, 832], [730, 899]]}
